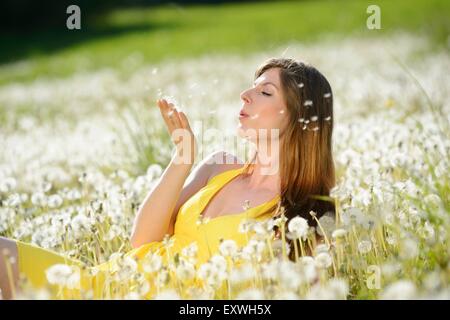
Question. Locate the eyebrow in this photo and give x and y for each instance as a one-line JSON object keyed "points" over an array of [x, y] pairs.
{"points": [[268, 82]]}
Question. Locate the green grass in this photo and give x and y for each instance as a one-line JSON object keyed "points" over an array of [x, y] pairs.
{"points": [[176, 32]]}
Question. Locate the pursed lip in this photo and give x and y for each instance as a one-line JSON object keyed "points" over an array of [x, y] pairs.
{"points": [[243, 114]]}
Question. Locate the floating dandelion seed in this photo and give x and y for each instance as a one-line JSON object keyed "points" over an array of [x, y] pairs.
{"points": [[308, 103], [328, 118], [314, 118], [300, 85], [304, 127], [281, 111], [315, 129], [301, 120], [285, 51], [327, 95], [155, 71], [306, 121]]}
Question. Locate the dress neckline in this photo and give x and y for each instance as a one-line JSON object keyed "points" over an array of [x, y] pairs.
{"points": [[234, 173]]}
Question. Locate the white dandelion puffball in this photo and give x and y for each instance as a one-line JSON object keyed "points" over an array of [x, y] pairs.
{"points": [[250, 294], [364, 246], [168, 294], [327, 223], [323, 260], [400, 290], [228, 248], [299, 227], [63, 275], [339, 233]]}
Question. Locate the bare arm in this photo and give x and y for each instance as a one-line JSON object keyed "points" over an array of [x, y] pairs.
{"points": [[153, 218]]}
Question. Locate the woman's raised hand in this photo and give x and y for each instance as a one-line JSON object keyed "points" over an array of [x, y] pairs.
{"points": [[180, 132]]}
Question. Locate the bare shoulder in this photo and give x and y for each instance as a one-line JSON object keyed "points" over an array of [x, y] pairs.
{"points": [[221, 161]]}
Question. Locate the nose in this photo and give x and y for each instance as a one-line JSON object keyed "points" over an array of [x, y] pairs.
{"points": [[244, 96]]}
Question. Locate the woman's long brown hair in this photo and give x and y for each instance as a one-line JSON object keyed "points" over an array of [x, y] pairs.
{"points": [[306, 161]]}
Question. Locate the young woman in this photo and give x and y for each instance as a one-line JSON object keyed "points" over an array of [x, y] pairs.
{"points": [[287, 114]]}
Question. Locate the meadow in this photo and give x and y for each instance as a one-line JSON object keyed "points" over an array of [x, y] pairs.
{"points": [[82, 143]]}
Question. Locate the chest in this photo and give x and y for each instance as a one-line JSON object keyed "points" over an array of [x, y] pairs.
{"points": [[233, 198]]}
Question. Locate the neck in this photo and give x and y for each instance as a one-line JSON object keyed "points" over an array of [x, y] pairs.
{"points": [[266, 173]]}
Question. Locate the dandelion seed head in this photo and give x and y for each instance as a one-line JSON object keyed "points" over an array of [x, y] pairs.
{"points": [[185, 271], [250, 294], [228, 248], [55, 201], [323, 247], [298, 226], [167, 294], [408, 249], [244, 226], [365, 246], [339, 233], [8, 184], [400, 290], [323, 260], [63, 275]]}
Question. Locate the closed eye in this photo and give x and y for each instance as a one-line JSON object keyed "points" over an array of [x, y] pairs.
{"points": [[264, 93]]}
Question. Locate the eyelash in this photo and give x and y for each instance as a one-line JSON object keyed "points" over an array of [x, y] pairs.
{"points": [[264, 93]]}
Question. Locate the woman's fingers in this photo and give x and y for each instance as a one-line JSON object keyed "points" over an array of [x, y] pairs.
{"points": [[173, 121], [179, 129], [163, 108], [184, 121], [174, 116]]}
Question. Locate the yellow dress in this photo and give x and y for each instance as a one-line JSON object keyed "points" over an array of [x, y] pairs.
{"points": [[34, 261]]}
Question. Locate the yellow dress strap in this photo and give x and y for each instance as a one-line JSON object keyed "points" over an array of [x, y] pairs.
{"points": [[226, 175]]}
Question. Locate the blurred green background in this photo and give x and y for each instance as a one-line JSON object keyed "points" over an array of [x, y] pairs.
{"points": [[35, 41]]}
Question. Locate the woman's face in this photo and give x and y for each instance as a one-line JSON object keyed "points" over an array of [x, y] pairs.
{"points": [[263, 106]]}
